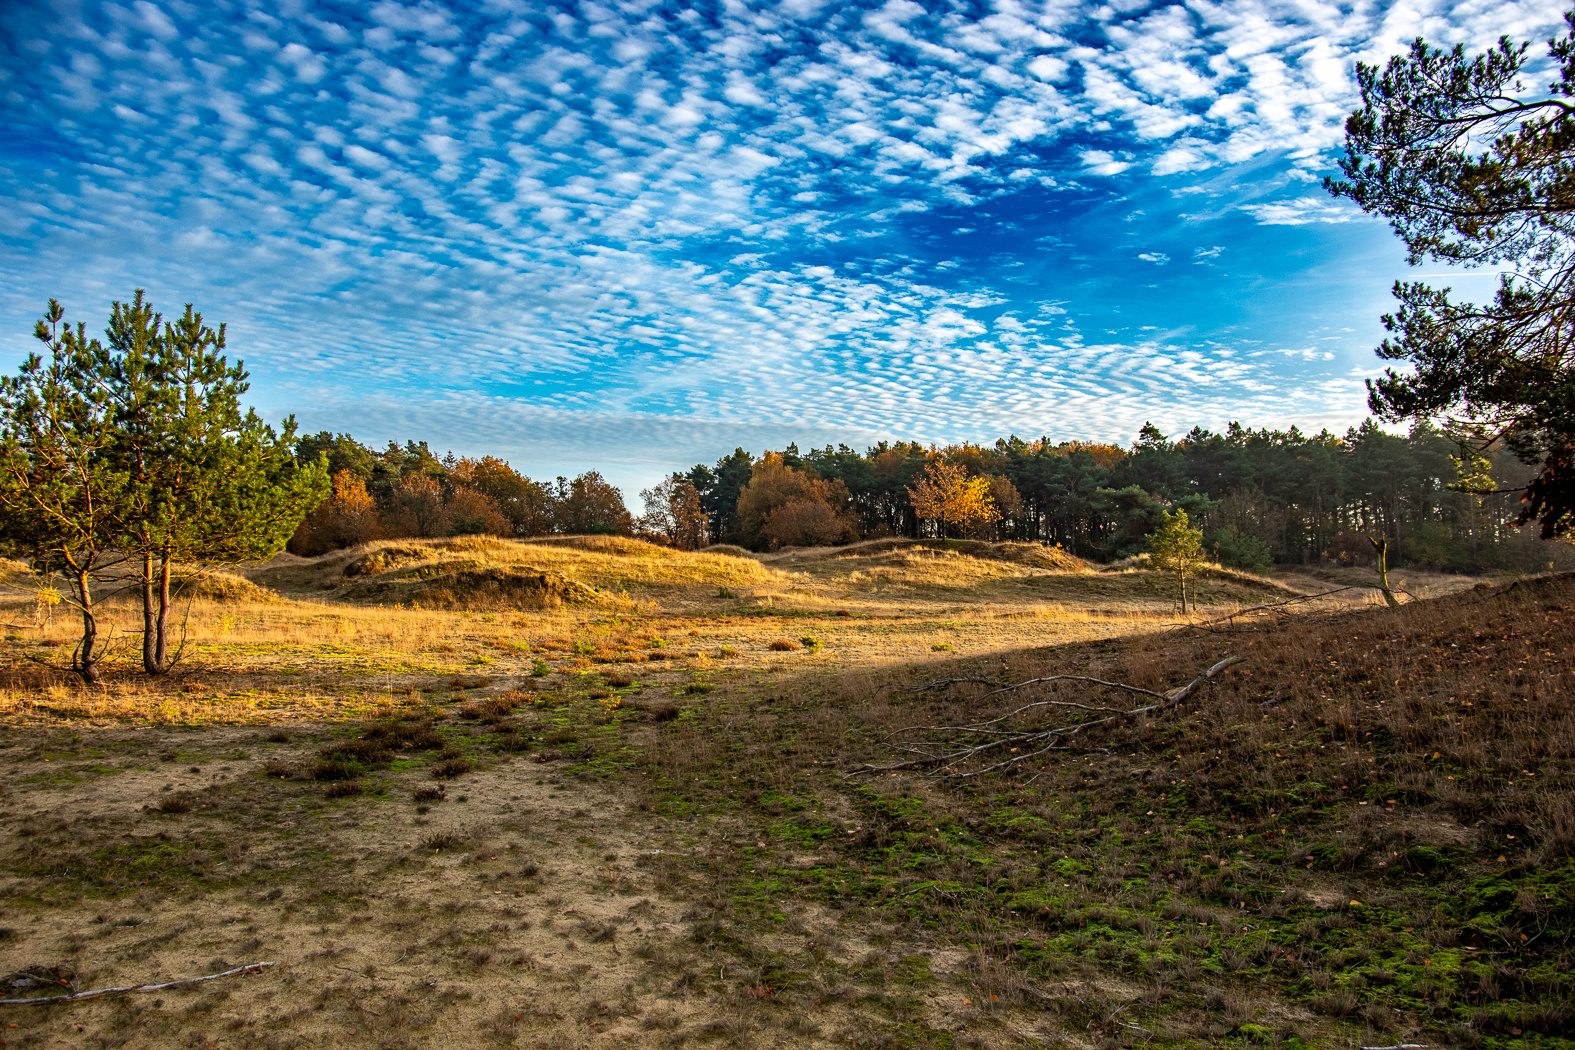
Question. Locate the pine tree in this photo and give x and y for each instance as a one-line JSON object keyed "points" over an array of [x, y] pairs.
{"points": [[1177, 548], [208, 483], [62, 491], [1473, 170]]}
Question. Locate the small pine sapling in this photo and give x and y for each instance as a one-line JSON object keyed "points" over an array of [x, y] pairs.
{"points": [[1178, 548]]}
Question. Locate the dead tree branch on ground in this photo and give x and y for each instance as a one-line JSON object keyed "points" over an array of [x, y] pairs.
{"points": [[992, 745], [1286, 603], [95, 993]]}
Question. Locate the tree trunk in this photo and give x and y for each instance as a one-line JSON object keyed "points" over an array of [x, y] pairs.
{"points": [[1476, 564], [155, 613], [1382, 547], [86, 662], [149, 627], [1183, 595], [162, 652]]}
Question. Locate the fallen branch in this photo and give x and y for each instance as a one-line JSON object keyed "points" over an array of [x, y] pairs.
{"points": [[1299, 599], [95, 993], [951, 748]]}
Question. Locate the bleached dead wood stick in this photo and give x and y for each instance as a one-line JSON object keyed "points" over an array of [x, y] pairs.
{"points": [[95, 993]]}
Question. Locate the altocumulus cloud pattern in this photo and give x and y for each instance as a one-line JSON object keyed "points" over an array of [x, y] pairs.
{"points": [[635, 234]]}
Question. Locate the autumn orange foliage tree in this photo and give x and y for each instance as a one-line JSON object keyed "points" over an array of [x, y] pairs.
{"points": [[525, 505], [947, 495], [774, 487], [345, 519], [805, 523], [673, 514]]}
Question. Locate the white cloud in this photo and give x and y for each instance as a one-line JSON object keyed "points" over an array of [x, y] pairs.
{"points": [[425, 18], [307, 65], [156, 21], [1100, 162], [1301, 211], [530, 202]]}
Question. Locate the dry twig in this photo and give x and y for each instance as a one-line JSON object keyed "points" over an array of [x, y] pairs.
{"points": [[957, 751], [95, 993]]}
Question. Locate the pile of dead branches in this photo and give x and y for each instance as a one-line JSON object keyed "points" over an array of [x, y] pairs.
{"points": [[1025, 733]]}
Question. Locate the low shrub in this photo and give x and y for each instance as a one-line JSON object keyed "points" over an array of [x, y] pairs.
{"points": [[451, 768], [181, 803], [405, 736], [328, 772]]}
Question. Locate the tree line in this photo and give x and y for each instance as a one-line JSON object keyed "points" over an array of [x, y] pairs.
{"points": [[1260, 497], [407, 491]]}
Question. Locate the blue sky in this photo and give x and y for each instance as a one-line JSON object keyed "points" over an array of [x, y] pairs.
{"points": [[630, 236]]}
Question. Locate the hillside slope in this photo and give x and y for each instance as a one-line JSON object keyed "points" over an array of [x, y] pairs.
{"points": [[1361, 836]]}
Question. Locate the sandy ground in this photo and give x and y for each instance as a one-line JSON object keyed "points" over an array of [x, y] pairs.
{"points": [[559, 916]]}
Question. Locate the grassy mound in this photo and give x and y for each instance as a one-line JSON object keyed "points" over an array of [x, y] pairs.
{"points": [[224, 587], [601, 545], [618, 563], [1041, 557], [469, 583], [381, 559], [577, 566], [1034, 555], [502, 588]]}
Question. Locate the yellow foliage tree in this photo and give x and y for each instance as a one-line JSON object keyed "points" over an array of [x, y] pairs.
{"points": [[946, 494]]}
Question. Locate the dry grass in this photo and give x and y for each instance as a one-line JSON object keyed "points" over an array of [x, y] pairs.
{"points": [[315, 655], [606, 562], [628, 823], [1386, 795]]}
